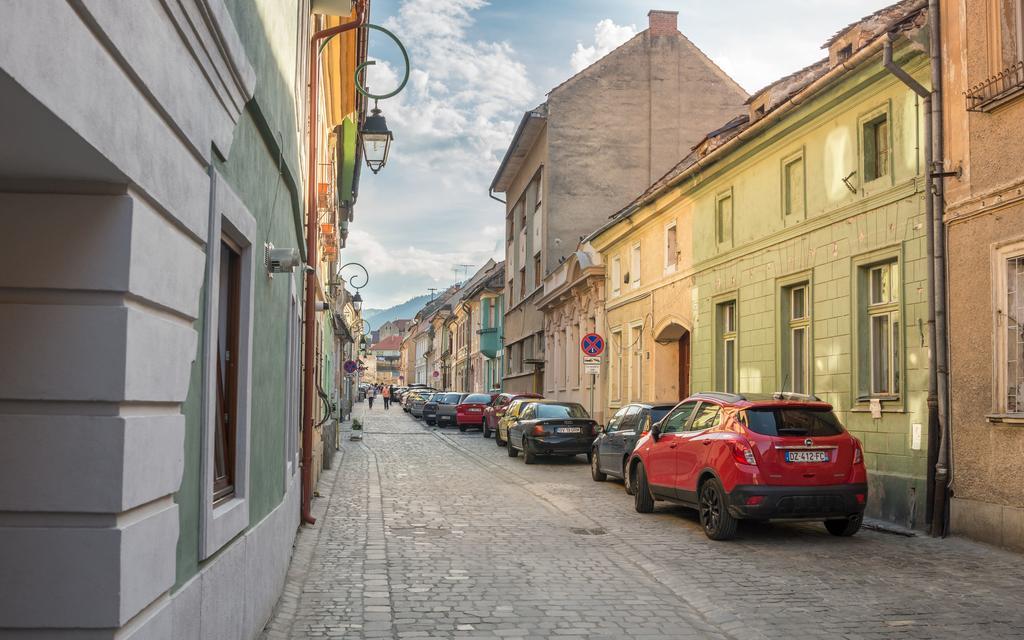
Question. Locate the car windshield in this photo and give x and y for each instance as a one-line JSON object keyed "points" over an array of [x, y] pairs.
{"points": [[546, 411], [793, 422], [477, 398], [451, 398]]}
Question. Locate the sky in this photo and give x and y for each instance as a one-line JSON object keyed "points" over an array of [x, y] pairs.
{"points": [[477, 65]]}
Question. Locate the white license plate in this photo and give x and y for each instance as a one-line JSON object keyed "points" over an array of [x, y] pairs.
{"points": [[807, 456], [568, 430], [472, 410]]}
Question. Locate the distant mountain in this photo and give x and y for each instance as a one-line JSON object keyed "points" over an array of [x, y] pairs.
{"points": [[377, 317]]}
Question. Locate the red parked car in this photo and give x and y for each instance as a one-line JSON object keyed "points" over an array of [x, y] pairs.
{"points": [[494, 411], [470, 412], [735, 457]]}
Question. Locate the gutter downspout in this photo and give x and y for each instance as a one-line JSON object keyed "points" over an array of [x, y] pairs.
{"points": [[938, 390], [943, 466], [490, 193], [309, 312], [934, 421]]}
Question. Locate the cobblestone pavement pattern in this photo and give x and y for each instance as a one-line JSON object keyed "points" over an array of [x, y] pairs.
{"points": [[427, 533]]}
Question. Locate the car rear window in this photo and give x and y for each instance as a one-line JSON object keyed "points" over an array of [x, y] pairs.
{"points": [[477, 398], [658, 413], [545, 411], [793, 422], [452, 398]]}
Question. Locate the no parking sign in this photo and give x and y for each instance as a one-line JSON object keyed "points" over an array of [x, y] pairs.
{"points": [[592, 344]]}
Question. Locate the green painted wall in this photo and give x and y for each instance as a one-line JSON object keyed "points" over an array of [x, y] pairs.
{"points": [[827, 247], [260, 167]]}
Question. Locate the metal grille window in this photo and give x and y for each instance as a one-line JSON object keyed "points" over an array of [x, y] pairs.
{"points": [[727, 352], [1015, 334], [883, 325]]}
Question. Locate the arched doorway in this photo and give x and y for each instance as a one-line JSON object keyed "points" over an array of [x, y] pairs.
{"points": [[672, 373]]}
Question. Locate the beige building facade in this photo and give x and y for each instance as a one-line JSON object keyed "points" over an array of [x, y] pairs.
{"points": [[601, 137], [983, 64], [573, 306]]}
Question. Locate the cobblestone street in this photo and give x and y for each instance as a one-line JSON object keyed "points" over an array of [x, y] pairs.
{"points": [[427, 533]]}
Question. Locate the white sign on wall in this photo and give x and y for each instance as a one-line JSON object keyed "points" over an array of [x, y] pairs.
{"points": [[592, 365]]}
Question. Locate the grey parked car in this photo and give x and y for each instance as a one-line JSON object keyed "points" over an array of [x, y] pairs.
{"points": [[416, 408], [612, 447], [430, 408], [446, 404]]}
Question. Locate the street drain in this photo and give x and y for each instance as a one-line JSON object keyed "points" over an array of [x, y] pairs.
{"points": [[580, 531]]}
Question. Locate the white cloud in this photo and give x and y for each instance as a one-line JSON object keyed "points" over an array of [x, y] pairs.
{"points": [[428, 210], [607, 36], [400, 269], [464, 96]]}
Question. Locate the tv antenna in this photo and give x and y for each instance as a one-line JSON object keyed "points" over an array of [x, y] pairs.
{"points": [[465, 269], [432, 291]]}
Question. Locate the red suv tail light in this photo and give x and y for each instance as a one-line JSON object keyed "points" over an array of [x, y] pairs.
{"points": [[858, 456], [741, 453]]}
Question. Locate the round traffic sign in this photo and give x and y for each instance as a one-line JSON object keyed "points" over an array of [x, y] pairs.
{"points": [[437, 374], [592, 344], [351, 366]]}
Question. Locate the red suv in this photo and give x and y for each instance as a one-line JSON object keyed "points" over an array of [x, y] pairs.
{"points": [[770, 457], [494, 411]]}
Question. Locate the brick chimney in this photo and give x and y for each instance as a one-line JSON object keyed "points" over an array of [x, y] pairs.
{"points": [[663, 23]]}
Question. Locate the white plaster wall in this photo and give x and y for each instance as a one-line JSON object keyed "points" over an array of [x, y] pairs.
{"points": [[100, 296], [233, 597]]}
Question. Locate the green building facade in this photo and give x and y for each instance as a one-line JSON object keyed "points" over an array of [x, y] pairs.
{"points": [[810, 270]]}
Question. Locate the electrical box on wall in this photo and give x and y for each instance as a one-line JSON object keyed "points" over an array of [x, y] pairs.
{"points": [[280, 260]]}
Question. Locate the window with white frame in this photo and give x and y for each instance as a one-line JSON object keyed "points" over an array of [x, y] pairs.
{"points": [[634, 266], [671, 247], [726, 351], [615, 368], [881, 359], [293, 366], [723, 218], [636, 362], [793, 195], [616, 276], [1007, 35], [227, 392], [1009, 271], [876, 147], [796, 323]]}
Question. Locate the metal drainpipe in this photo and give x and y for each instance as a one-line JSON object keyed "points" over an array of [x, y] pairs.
{"points": [[309, 315], [943, 466], [934, 422], [938, 382]]}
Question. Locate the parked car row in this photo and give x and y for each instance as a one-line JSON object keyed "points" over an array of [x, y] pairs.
{"points": [[731, 457]]}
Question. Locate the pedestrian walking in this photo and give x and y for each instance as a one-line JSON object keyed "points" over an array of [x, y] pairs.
{"points": [[386, 395], [370, 393]]}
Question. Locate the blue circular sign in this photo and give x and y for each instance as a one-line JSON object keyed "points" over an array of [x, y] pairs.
{"points": [[592, 344], [351, 366]]}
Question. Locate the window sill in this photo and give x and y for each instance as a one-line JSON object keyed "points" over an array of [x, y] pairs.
{"points": [[1009, 419]]}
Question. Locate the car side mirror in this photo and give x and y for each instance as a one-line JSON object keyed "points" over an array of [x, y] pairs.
{"points": [[656, 431]]}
